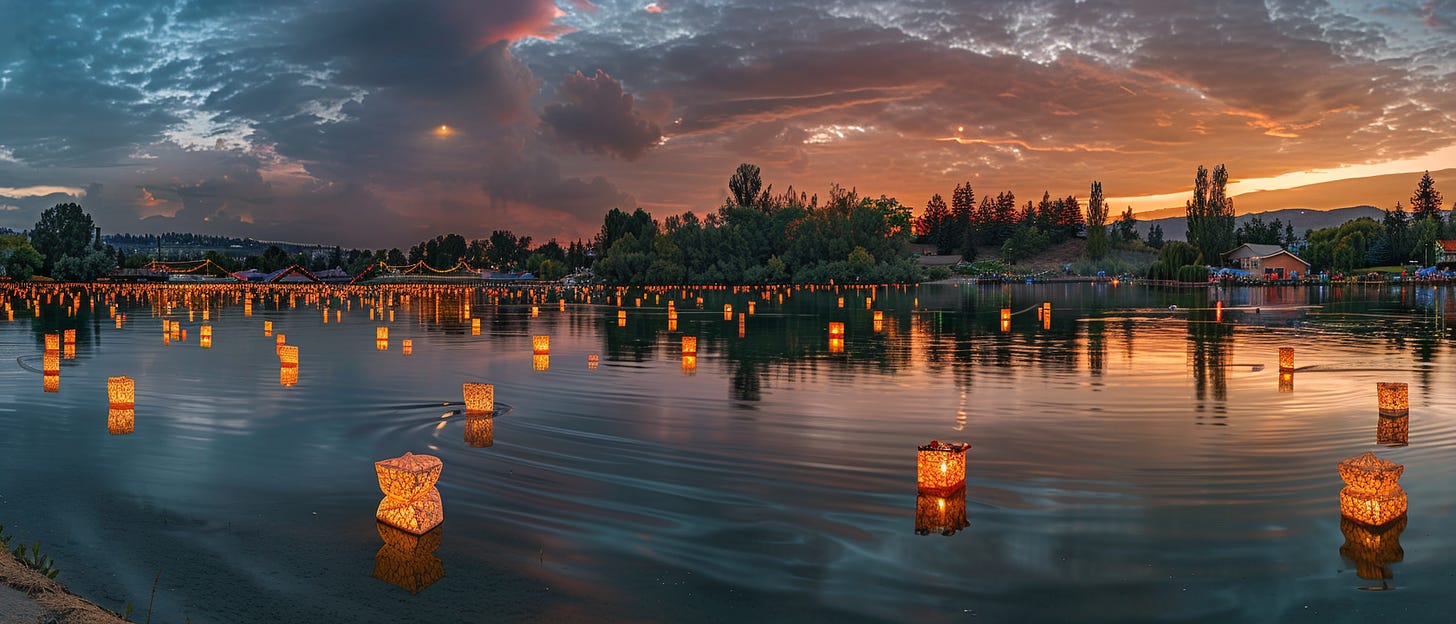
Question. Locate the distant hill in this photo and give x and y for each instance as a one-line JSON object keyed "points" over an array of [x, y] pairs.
{"points": [[1176, 228], [1381, 190]]}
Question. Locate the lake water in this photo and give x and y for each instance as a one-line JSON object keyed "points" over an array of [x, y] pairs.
{"points": [[1130, 463]]}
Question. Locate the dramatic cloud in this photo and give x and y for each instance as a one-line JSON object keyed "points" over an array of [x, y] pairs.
{"points": [[597, 116], [379, 122]]}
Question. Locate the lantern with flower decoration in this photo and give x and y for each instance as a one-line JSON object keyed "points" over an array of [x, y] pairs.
{"points": [[288, 356], [540, 362], [52, 343], [69, 337], [1286, 382]]}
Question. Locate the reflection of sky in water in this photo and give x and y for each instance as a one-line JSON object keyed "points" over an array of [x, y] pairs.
{"points": [[1133, 463]]}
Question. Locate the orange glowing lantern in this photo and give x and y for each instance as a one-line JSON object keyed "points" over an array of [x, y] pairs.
{"points": [[407, 345], [205, 337], [672, 316], [941, 466], [841, 302], [479, 430], [1372, 493], [51, 383], [592, 361], [836, 330], [1394, 398], [52, 343], [1372, 549], [727, 311], [69, 337], [69, 352], [288, 356], [279, 341], [541, 345], [751, 307], [120, 421], [690, 364], [121, 392], [1286, 382], [879, 316], [540, 362], [381, 333], [621, 317], [836, 345], [475, 327], [561, 305], [51, 363], [1286, 358], [407, 561], [267, 328], [689, 345], [940, 514], [535, 311], [479, 398], [411, 501], [287, 376]]}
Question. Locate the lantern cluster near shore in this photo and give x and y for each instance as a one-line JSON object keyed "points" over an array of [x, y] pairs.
{"points": [[411, 502]]}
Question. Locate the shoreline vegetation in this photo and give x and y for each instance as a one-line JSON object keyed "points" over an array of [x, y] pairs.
{"points": [[55, 602], [759, 237]]}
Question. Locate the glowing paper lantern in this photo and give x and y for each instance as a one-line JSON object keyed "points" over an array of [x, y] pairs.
{"points": [[879, 315], [407, 561], [1394, 398], [1286, 358], [1286, 382], [120, 421], [381, 333], [267, 328], [535, 311], [836, 345], [541, 345], [205, 337], [751, 307], [50, 363], [69, 337], [69, 352], [1372, 493], [727, 311], [408, 346], [475, 327], [479, 430], [411, 502], [836, 330], [689, 345], [287, 375], [940, 467], [1372, 549], [479, 398], [879, 326], [51, 382], [279, 341], [53, 343], [591, 361], [672, 315], [121, 392], [288, 356], [540, 362], [940, 514]]}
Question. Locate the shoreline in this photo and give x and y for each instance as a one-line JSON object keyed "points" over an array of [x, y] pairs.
{"points": [[45, 599]]}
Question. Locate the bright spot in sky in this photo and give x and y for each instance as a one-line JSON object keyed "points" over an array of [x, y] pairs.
{"points": [[960, 128], [444, 130]]}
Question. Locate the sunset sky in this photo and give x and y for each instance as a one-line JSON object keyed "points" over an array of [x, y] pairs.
{"points": [[380, 123]]}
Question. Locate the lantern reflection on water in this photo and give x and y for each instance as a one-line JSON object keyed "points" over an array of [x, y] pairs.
{"points": [[121, 392], [1392, 430], [479, 398], [479, 430], [120, 421], [689, 364], [836, 345], [541, 345], [51, 382], [940, 467], [945, 515], [540, 362], [411, 501], [1372, 493], [1394, 398], [69, 337], [204, 337], [475, 327], [1286, 358], [287, 375], [279, 341], [408, 561], [407, 345], [1372, 549], [1286, 381]]}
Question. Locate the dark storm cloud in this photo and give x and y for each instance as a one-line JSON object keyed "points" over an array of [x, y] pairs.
{"points": [[596, 115]]}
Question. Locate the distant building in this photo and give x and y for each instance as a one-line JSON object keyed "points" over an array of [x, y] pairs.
{"points": [[922, 249], [1448, 252], [1273, 261]]}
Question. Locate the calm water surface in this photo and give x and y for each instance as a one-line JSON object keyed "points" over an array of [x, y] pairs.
{"points": [[1131, 463]]}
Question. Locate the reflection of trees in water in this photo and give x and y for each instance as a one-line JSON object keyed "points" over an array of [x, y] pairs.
{"points": [[1096, 347], [1210, 347]]}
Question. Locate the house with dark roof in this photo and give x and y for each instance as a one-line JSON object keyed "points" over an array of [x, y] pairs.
{"points": [[1272, 261]]}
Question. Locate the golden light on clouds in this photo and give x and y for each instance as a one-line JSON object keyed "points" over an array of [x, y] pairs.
{"points": [[444, 131]]}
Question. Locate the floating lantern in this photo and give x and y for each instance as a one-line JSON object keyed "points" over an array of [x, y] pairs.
{"points": [[69, 352], [591, 361], [1394, 398], [1286, 382], [941, 466], [475, 327], [541, 345], [51, 382], [1392, 430], [672, 325], [248, 308], [751, 307], [1005, 317], [868, 303], [50, 363], [689, 364], [411, 501], [940, 514], [1286, 358], [1372, 549], [879, 315], [689, 345], [267, 328], [1372, 493], [288, 356], [408, 346], [118, 322], [621, 317], [279, 341], [836, 330], [841, 302], [382, 345], [561, 305], [120, 421], [287, 376], [540, 362], [381, 333], [69, 337], [535, 311], [479, 430], [121, 392], [407, 561], [672, 315], [53, 343], [727, 311], [204, 337], [479, 398], [879, 326]]}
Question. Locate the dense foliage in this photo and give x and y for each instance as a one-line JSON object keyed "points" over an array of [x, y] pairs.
{"points": [[1211, 213]]}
